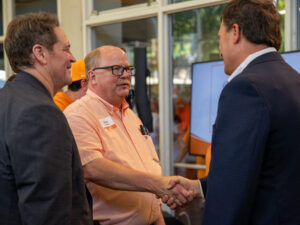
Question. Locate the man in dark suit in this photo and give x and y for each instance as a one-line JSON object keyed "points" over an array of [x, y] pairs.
{"points": [[254, 174], [41, 178]]}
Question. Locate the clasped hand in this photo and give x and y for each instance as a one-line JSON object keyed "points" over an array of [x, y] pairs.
{"points": [[180, 191]]}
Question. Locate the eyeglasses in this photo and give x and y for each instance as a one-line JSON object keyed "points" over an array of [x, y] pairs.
{"points": [[118, 70]]}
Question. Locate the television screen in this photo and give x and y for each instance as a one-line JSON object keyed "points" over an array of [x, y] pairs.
{"points": [[208, 80]]}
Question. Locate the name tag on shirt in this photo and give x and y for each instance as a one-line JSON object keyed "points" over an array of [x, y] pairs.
{"points": [[107, 122]]}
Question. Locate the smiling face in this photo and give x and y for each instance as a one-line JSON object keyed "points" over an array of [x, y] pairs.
{"points": [[59, 61], [112, 88]]}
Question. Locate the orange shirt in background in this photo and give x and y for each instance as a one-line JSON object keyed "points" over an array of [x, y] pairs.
{"points": [[62, 100]]}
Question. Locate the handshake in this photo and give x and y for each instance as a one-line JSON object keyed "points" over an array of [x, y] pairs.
{"points": [[176, 191]]}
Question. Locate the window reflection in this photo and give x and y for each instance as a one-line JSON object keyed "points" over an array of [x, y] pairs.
{"points": [[22, 7], [175, 1], [282, 11], [194, 35], [134, 36], [101, 5]]}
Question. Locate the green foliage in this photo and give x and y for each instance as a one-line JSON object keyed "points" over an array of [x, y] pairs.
{"points": [[195, 34], [282, 49], [281, 4], [183, 23]]}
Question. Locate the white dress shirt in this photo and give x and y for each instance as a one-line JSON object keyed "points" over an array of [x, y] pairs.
{"points": [[248, 60]]}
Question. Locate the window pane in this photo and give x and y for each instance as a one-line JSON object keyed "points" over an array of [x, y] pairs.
{"points": [[175, 1], [134, 36], [2, 71], [194, 39], [290, 22], [22, 7], [281, 8], [101, 5]]}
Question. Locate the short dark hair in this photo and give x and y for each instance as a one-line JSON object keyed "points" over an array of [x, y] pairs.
{"points": [[259, 20], [11, 77], [23, 32], [75, 86]]}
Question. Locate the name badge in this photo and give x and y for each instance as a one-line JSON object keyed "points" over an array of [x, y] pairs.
{"points": [[107, 122]]}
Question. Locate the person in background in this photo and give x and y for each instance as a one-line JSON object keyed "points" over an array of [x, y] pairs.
{"points": [[76, 89], [41, 177], [254, 176], [120, 163]]}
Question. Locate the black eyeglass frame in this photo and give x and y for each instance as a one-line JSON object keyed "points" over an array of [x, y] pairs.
{"points": [[131, 69]]}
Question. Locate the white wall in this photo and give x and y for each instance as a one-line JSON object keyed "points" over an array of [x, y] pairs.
{"points": [[70, 17]]}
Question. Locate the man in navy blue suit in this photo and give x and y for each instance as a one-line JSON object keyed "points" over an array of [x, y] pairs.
{"points": [[254, 174]]}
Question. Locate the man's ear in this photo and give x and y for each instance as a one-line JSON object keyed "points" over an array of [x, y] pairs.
{"points": [[39, 53], [92, 76], [83, 84], [236, 32]]}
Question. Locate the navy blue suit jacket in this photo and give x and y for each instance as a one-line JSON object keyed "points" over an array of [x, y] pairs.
{"points": [[254, 174], [41, 177]]}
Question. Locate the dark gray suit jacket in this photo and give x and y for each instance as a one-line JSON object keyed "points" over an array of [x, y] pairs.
{"points": [[41, 178], [254, 175]]}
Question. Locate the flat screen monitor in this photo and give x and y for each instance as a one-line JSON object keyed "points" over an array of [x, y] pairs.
{"points": [[208, 80]]}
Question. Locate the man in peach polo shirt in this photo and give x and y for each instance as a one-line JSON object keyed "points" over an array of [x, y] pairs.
{"points": [[76, 89], [116, 150]]}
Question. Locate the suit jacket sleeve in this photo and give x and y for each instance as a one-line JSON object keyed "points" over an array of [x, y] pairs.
{"points": [[41, 159], [203, 182], [238, 143]]}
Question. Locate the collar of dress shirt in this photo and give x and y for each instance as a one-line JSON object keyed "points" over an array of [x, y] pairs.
{"points": [[248, 60], [109, 106]]}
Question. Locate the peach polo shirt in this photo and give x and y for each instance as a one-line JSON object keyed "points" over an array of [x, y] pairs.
{"points": [[102, 130]]}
